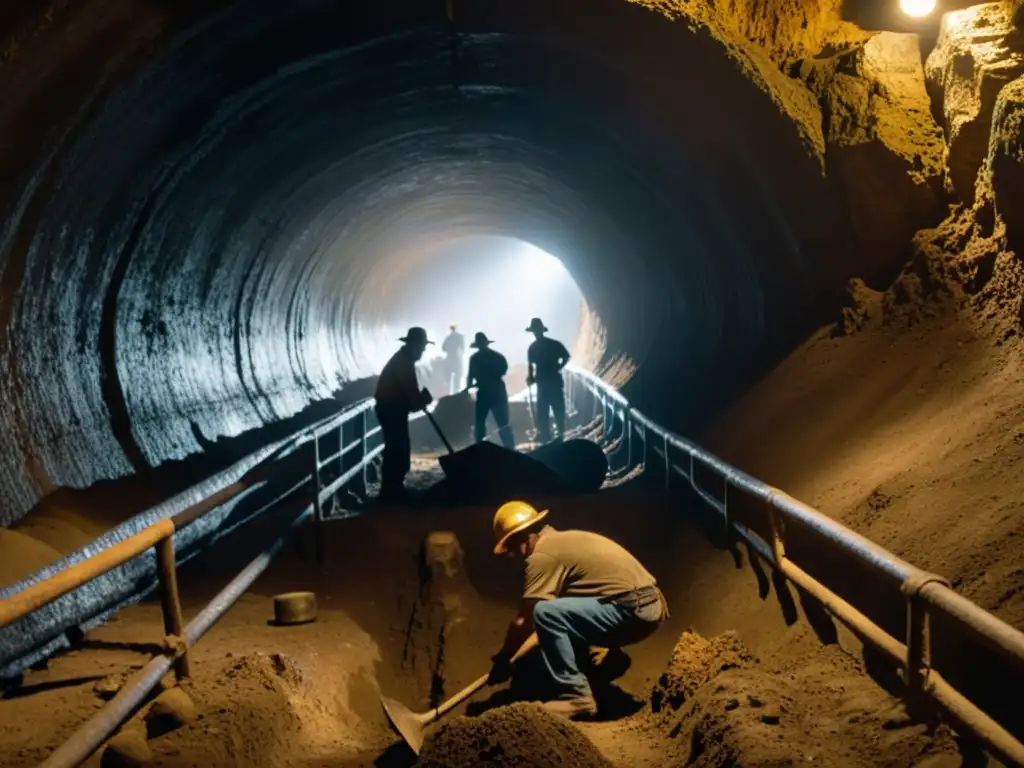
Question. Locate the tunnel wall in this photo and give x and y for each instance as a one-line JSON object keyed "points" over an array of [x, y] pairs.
{"points": [[198, 193]]}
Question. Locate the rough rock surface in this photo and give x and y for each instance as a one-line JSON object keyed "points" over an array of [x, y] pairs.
{"points": [[787, 31], [979, 50], [1006, 162], [788, 96], [523, 734], [884, 149]]}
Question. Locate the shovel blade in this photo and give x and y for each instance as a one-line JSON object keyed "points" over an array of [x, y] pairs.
{"points": [[405, 723]]}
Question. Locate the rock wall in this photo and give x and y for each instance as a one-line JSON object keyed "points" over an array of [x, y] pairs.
{"points": [[884, 150], [979, 51]]}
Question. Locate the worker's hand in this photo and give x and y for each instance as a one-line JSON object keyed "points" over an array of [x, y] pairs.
{"points": [[427, 398], [530, 381], [501, 670]]}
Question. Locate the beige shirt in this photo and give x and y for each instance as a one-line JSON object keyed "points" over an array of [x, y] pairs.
{"points": [[581, 564]]}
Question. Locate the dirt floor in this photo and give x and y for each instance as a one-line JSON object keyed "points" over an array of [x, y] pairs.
{"points": [[416, 617]]}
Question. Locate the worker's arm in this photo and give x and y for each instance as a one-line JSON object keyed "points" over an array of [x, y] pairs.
{"points": [[415, 397], [545, 577], [563, 357], [530, 365], [520, 628], [518, 631], [471, 376]]}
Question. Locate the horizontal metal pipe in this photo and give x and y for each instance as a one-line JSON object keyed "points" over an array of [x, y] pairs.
{"points": [[211, 502], [846, 538], [999, 741], [349, 474], [996, 633], [95, 731], [17, 606], [842, 610]]}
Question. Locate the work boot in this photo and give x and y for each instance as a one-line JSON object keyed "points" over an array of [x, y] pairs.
{"points": [[578, 708]]}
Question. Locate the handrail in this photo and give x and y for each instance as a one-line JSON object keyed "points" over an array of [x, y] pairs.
{"points": [[41, 591], [924, 593]]}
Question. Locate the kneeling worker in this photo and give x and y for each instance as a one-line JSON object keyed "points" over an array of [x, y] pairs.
{"points": [[487, 369], [582, 589]]}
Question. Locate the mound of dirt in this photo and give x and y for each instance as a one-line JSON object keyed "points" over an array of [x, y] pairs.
{"points": [[523, 734], [717, 705], [247, 717]]}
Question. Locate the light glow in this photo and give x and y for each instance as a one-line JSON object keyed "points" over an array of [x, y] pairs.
{"points": [[485, 283], [917, 8]]}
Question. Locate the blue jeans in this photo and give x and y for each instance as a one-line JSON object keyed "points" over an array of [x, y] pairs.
{"points": [[567, 626]]}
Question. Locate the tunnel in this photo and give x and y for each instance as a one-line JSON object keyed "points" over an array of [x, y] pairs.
{"points": [[788, 226], [203, 214]]}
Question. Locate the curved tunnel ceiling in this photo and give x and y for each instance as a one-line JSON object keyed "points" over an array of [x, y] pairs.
{"points": [[204, 200]]}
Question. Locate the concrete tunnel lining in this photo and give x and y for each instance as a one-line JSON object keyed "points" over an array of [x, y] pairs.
{"points": [[187, 246]]}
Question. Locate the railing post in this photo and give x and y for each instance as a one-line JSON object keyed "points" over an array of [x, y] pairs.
{"points": [[170, 600], [917, 646], [778, 546], [341, 449], [918, 660], [362, 458], [668, 465], [318, 516], [627, 424]]}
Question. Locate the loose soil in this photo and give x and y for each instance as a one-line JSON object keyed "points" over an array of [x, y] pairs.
{"points": [[522, 734], [417, 623]]}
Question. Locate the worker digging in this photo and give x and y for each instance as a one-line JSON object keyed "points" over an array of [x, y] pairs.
{"points": [[581, 590]]}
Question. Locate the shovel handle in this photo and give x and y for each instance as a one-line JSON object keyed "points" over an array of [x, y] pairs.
{"points": [[480, 682], [437, 428]]}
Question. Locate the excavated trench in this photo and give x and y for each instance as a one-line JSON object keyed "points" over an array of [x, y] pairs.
{"points": [[412, 605], [207, 207]]}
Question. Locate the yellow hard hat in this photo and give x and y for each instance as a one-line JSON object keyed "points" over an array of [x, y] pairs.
{"points": [[511, 518]]}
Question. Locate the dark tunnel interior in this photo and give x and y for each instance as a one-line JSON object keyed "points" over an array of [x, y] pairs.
{"points": [[200, 201]]}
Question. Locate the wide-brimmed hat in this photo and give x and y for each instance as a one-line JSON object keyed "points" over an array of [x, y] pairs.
{"points": [[480, 340], [416, 335], [536, 325]]}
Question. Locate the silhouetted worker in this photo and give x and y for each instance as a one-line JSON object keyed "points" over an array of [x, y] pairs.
{"points": [[486, 371], [545, 360], [399, 394], [454, 348], [581, 589]]}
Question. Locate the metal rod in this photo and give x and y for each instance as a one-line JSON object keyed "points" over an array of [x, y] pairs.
{"points": [[362, 441], [995, 633], [339, 482], [999, 741], [842, 610], [95, 731], [170, 601], [318, 510], [44, 592], [916, 669]]}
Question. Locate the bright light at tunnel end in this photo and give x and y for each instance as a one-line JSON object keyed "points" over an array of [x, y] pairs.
{"points": [[917, 8]]}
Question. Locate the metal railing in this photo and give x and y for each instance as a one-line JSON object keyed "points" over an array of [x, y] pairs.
{"points": [[353, 460], [925, 596]]}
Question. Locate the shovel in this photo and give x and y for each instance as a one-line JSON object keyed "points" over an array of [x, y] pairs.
{"points": [[411, 725]]}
